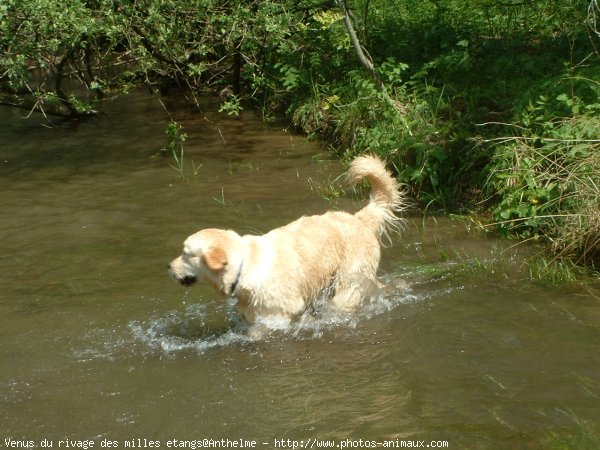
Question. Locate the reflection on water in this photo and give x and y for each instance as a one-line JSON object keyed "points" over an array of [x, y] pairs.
{"points": [[98, 342]]}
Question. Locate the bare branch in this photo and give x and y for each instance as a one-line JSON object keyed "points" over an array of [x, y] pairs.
{"points": [[363, 57]]}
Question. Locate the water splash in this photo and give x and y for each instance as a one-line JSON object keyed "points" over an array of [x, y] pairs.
{"points": [[194, 328], [198, 327]]}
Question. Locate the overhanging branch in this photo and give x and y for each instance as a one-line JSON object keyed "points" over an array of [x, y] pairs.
{"points": [[364, 59]]}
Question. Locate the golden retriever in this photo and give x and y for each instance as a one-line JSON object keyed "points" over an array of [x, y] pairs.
{"points": [[283, 271]]}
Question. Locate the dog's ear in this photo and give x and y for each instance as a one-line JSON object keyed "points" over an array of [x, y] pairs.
{"points": [[215, 258]]}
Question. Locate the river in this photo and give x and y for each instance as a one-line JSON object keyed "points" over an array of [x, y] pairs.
{"points": [[99, 345]]}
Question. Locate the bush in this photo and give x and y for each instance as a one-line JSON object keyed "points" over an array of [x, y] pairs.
{"points": [[547, 180]]}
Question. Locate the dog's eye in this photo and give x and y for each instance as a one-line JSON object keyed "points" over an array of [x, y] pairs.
{"points": [[188, 255]]}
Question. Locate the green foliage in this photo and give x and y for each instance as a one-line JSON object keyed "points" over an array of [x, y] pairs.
{"points": [[468, 98], [231, 106], [174, 147], [547, 180], [41, 41]]}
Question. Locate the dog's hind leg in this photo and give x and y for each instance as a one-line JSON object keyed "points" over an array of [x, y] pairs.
{"points": [[352, 289]]}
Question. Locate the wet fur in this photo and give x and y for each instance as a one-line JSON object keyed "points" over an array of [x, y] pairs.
{"points": [[282, 272]]}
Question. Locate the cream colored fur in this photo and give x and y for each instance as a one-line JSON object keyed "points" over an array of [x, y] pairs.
{"points": [[282, 272]]}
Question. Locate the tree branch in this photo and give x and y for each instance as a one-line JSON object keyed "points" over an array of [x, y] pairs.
{"points": [[58, 83], [364, 59]]}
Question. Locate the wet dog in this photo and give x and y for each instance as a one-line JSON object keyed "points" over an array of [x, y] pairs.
{"points": [[280, 273]]}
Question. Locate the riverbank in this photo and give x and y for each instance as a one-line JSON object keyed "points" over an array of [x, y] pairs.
{"points": [[498, 118], [100, 344], [482, 107]]}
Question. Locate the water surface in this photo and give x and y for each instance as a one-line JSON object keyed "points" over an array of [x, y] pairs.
{"points": [[98, 343]]}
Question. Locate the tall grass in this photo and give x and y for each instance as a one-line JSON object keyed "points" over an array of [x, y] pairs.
{"points": [[547, 186]]}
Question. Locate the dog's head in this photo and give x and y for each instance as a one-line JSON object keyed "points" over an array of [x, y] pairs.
{"points": [[212, 254]]}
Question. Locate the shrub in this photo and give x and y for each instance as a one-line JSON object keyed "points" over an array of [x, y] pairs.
{"points": [[547, 181]]}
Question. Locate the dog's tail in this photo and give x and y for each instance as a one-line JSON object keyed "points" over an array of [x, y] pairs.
{"points": [[386, 196]]}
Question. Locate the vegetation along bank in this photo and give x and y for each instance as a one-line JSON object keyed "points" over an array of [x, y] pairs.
{"points": [[480, 105]]}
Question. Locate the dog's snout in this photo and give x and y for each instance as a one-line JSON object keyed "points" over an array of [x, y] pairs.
{"points": [[187, 280]]}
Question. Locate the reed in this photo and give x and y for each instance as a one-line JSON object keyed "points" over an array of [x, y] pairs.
{"points": [[175, 148]]}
